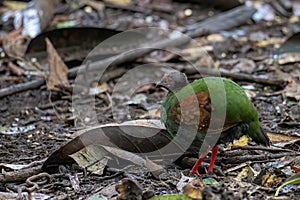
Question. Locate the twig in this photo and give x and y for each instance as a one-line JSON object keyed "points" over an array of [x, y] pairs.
{"points": [[261, 148], [236, 76], [242, 165], [129, 8], [254, 158], [21, 175], [21, 87]]}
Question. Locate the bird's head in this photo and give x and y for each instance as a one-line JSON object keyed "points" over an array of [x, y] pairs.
{"points": [[173, 81]]}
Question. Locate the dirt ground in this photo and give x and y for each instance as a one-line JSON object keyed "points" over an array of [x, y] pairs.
{"points": [[46, 117]]}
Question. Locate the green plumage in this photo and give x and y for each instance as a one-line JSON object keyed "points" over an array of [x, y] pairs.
{"points": [[220, 98]]}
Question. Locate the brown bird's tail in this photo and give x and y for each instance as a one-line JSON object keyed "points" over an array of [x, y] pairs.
{"points": [[261, 138]]}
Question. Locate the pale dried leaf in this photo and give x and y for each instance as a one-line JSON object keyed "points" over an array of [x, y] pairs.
{"points": [[58, 71], [120, 153], [16, 48], [93, 158], [183, 181]]}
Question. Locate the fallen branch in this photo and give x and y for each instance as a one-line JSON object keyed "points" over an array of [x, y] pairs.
{"points": [[20, 175], [253, 158], [21, 87]]}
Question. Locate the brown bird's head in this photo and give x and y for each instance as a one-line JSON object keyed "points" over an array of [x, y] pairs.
{"points": [[173, 81]]}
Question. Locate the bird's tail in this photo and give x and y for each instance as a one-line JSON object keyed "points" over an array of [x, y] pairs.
{"points": [[261, 138]]}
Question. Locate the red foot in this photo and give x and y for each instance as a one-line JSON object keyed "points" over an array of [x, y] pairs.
{"points": [[214, 152], [194, 170], [198, 163]]}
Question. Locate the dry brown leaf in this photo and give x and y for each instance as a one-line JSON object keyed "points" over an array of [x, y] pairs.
{"points": [[15, 44], [293, 90], [11, 35], [193, 189], [270, 179], [277, 137], [154, 168], [58, 71]]}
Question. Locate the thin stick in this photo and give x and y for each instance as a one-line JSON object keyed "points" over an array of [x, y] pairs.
{"points": [[236, 76]]}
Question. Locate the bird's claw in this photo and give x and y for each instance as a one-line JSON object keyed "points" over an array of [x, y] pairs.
{"points": [[195, 172]]}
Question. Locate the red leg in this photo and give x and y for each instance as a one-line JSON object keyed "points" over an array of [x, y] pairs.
{"points": [[198, 163], [214, 152]]}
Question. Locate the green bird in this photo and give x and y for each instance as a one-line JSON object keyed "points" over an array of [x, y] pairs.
{"points": [[209, 111]]}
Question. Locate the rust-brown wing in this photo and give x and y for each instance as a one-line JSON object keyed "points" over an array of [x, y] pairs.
{"points": [[196, 110]]}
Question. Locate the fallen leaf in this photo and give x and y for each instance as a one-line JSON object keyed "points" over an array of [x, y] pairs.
{"points": [[134, 158], [293, 90], [11, 35], [244, 65], [210, 181], [109, 190], [247, 174], [154, 168], [270, 180], [15, 45], [243, 141], [193, 189], [281, 140], [97, 197], [295, 168], [129, 189], [58, 71], [183, 181], [93, 158], [132, 140]]}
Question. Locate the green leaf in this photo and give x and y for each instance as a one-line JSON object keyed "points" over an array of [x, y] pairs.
{"points": [[210, 181], [97, 197], [171, 197], [293, 180]]}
